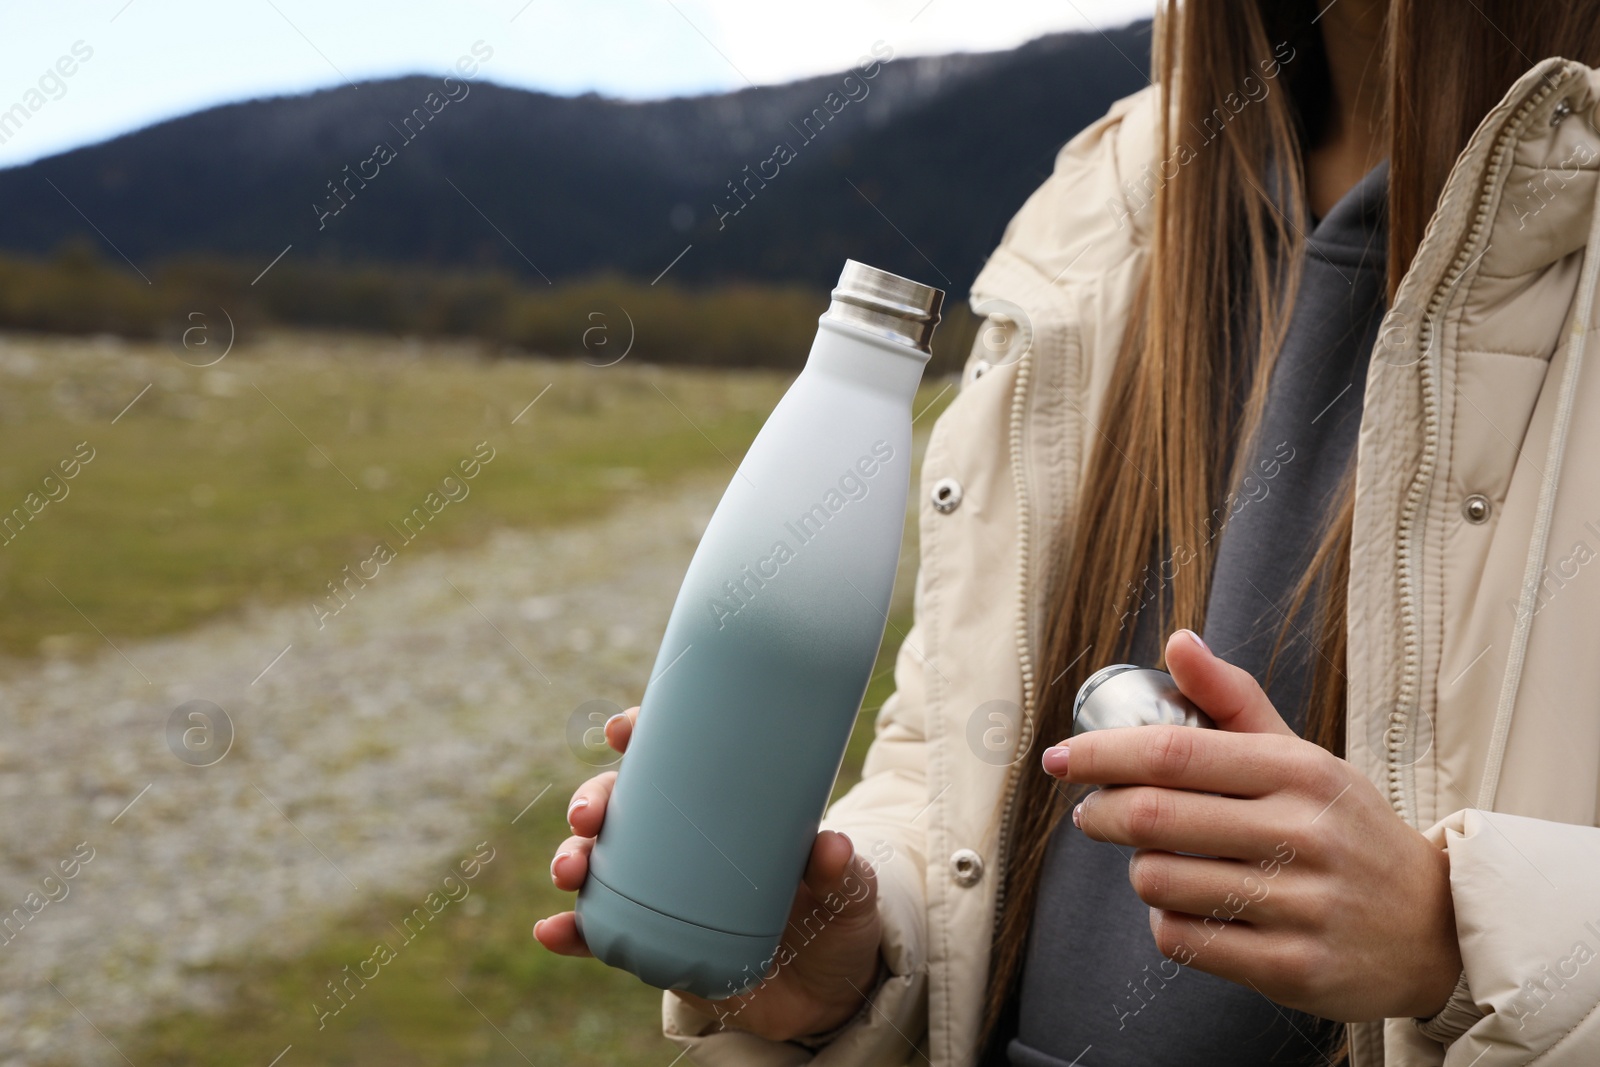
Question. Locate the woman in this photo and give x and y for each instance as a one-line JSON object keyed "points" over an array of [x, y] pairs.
{"points": [[1286, 352]]}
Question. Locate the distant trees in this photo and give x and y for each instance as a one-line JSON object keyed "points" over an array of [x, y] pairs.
{"points": [[599, 320]]}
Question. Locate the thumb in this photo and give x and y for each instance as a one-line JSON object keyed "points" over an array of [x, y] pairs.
{"points": [[836, 871], [1229, 694]]}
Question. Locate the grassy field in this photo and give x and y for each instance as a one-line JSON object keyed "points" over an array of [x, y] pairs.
{"points": [[253, 481], [260, 477]]}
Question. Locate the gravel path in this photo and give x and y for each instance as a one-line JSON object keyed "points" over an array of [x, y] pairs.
{"points": [[370, 752]]}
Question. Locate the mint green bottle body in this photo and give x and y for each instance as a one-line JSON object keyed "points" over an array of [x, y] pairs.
{"points": [[765, 659]]}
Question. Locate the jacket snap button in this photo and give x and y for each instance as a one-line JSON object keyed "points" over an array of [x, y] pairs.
{"points": [[980, 368], [946, 495], [1476, 508], [1562, 109], [966, 867]]}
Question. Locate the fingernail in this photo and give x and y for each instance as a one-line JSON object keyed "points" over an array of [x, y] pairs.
{"points": [[614, 718], [1077, 815], [577, 805], [1196, 639], [559, 857], [1055, 760], [536, 929]]}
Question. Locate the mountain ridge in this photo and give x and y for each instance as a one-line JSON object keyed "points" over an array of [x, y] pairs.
{"points": [[914, 166]]}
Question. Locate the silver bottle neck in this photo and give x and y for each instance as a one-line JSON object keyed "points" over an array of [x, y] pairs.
{"points": [[886, 305]]}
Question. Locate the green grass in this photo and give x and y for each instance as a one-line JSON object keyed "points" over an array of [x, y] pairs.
{"points": [[260, 478], [555, 1010], [141, 548]]}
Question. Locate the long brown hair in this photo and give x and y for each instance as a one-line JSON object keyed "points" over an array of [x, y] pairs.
{"points": [[1221, 268]]}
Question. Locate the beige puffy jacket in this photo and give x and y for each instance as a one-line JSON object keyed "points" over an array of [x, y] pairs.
{"points": [[1474, 615]]}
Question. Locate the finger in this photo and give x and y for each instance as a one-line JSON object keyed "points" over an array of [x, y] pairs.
{"points": [[559, 934], [619, 728], [1180, 757], [571, 863], [1260, 957], [587, 809], [1229, 694], [835, 872], [1176, 820], [832, 854], [1221, 889]]}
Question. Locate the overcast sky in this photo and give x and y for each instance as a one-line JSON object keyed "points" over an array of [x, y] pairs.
{"points": [[153, 59]]}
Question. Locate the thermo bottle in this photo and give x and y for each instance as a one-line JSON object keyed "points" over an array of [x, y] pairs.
{"points": [[1125, 695], [765, 659]]}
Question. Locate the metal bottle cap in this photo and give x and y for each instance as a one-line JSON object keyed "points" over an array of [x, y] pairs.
{"points": [[1125, 695], [886, 305]]}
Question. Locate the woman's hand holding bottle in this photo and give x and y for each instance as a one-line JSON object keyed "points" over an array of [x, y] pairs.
{"points": [[824, 980]]}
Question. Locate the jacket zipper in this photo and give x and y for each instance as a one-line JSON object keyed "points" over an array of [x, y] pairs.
{"points": [[1398, 744], [1397, 740], [1024, 648]]}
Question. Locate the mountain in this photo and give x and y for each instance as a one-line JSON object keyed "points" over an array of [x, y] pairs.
{"points": [[915, 168]]}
